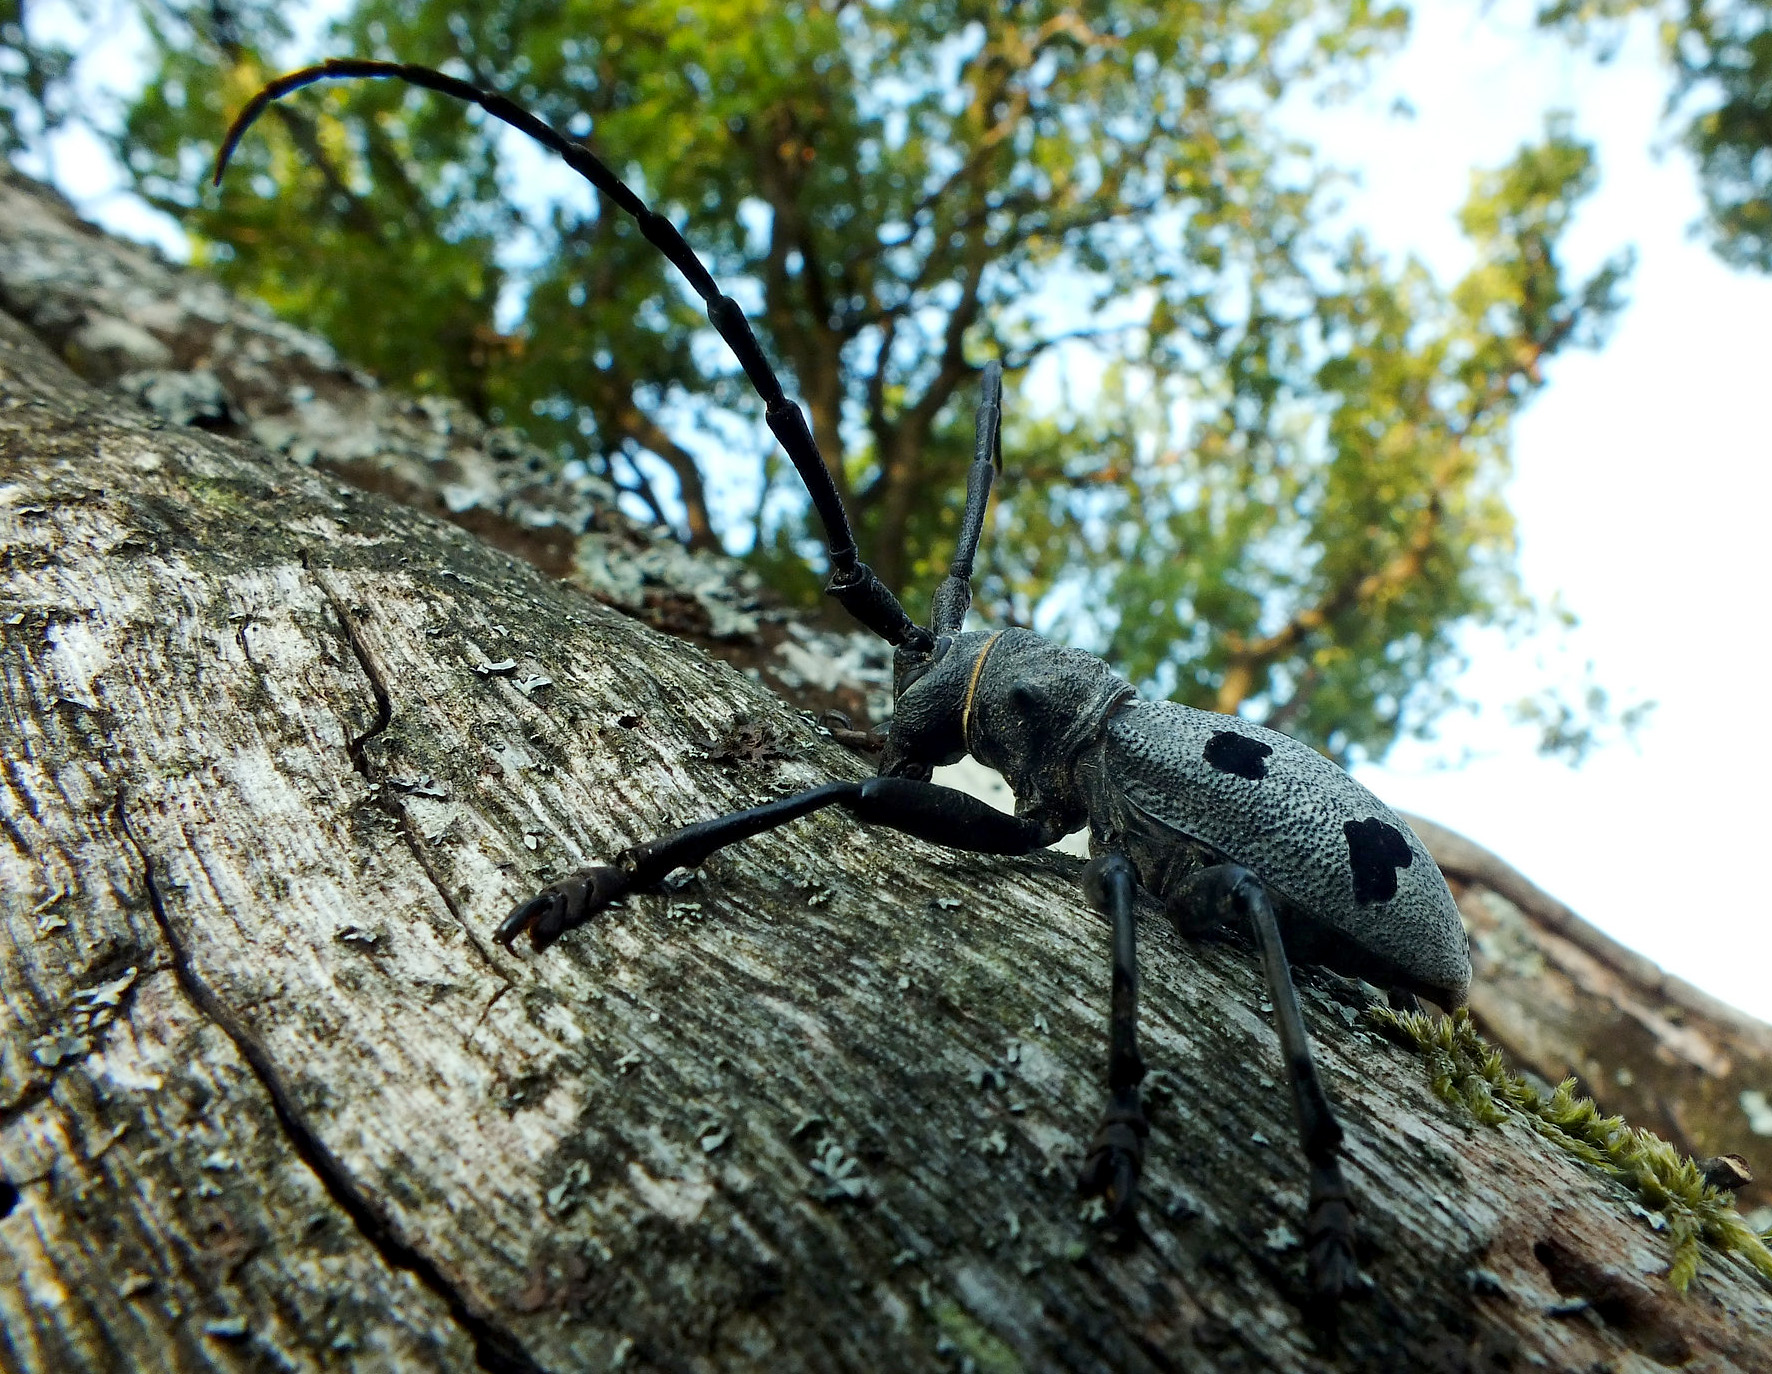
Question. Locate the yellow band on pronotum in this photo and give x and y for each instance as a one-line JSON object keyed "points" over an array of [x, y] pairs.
{"points": [[972, 691]]}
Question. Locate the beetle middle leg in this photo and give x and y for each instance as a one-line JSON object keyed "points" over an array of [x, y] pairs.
{"points": [[1224, 892], [1116, 1155]]}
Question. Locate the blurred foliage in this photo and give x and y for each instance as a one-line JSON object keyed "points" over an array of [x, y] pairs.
{"points": [[1721, 55], [1285, 494], [1333, 512], [1573, 724], [33, 80]]}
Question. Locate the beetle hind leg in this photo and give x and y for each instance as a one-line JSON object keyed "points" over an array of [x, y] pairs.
{"points": [[1116, 1155], [1226, 892]]}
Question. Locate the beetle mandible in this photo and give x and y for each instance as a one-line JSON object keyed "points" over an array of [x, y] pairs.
{"points": [[1219, 819]]}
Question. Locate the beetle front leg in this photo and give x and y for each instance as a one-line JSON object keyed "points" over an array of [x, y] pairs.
{"points": [[1116, 1155], [1219, 894], [908, 805], [573, 900]]}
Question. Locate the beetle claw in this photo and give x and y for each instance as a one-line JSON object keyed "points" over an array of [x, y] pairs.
{"points": [[560, 906]]}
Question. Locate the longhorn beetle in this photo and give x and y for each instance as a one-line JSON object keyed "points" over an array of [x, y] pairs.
{"points": [[1219, 819]]}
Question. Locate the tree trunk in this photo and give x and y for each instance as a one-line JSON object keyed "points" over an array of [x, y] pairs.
{"points": [[280, 755], [1568, 1001]]}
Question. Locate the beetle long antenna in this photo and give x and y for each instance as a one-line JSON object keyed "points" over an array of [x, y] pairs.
{"points": [[852, 582], [953, 597]]}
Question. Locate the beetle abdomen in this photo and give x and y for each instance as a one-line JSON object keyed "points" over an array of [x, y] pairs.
{"points": [[1320, 841]]}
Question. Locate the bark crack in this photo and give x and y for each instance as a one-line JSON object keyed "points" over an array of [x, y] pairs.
{"points": [[495, 1348], [384, 715], [378, 685], [38, 1089]]}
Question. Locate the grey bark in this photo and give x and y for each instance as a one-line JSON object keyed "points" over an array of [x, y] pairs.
{"points": [[124, 318], [269, 1097]]}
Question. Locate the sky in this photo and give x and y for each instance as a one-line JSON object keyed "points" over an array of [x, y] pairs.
{"points": [[1642, 486], [1642, 482]]}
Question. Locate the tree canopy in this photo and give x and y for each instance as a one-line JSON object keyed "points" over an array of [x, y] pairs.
{"points": [[1720, 53], [1256, 464]]}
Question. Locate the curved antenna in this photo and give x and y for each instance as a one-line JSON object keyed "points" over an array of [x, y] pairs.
{"points": [[852, 582], [953, 598]]}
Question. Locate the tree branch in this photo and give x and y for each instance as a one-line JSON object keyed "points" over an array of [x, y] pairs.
{"points": [[1250, 659], [627, 420]]}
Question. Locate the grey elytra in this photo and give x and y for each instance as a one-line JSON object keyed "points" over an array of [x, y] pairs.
{"points": [[1357, 891]]}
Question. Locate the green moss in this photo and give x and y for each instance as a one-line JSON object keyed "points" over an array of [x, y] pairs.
{"points": [[1467, 1070], [987, 1352], [222, 496]]}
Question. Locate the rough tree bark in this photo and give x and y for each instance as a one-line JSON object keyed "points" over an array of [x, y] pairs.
{"points": [[279, 754]]}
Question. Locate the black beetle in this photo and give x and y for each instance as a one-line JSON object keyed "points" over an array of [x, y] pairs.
{"points": [[1219, 819]]}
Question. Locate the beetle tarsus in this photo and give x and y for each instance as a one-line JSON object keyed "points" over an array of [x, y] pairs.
{"points": [[1330, 1266], [560, 906], [1115, 1160]]}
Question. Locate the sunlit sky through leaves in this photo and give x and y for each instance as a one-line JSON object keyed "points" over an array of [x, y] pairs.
{"points": [[1644, 473]]}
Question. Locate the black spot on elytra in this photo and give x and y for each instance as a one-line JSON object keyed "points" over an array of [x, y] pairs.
{"points": [[1376, 851], [1229, 752], [8, 1197]]}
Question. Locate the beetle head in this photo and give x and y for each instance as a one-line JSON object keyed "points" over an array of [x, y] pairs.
{"points": [[930, 687]]}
